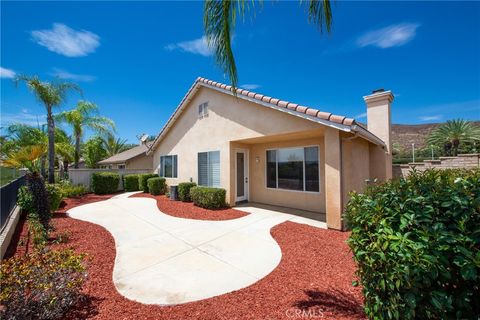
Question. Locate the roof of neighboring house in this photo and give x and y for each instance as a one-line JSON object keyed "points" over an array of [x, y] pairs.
{"points": [[326, 118], [126, 155]]}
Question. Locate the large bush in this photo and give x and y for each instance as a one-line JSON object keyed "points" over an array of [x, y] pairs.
{"points": [[25, 199], [105, 182], [209, 198], [40, 285], [142, 180], [157, 186], [55, 196], [130, 182], [417, 246], [184, 191]]}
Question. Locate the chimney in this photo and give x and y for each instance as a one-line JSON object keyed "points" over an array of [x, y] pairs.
{"points": [[379, 123]]}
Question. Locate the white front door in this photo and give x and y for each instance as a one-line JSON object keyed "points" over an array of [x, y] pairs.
{"points": [[241, 175]]}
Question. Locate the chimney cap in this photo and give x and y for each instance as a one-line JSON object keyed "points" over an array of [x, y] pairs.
{"points": [[378, 90]]}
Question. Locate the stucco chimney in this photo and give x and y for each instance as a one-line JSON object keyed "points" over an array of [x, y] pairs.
{"points": [[379, 123]]}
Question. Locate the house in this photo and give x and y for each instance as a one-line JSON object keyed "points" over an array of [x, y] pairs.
{"points": [[266, 150], [134, 158]]}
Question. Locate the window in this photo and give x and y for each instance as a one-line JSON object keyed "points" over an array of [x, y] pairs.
{"points": [[203, 110], [293, 169], [121, 166], [168, 166], [209, 169]]}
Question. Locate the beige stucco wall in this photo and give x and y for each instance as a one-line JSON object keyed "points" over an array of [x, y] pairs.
{"points": [[140, 162], [229, 119], [355, 166]]}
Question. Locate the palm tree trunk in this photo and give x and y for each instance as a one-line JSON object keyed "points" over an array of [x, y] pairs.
{"points": [[77, 150], [43, 160], [51, 145], [65, 167]]}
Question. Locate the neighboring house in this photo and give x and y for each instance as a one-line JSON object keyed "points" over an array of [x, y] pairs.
{"points": [[134, 158], [81, 164], [266, 150]]}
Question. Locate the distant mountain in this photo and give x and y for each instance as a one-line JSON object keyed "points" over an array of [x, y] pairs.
{"points": [[406, 134]]}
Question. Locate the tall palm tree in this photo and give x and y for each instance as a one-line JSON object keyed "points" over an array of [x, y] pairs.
{"points": [[85, 115], [114, 145], [51, 94], [219, 19], [452, 133]]}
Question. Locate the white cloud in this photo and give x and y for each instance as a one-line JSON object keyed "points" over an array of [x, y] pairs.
{"points": [[431, 118], [24, 116], [63, 74], [250, 86], [392, 36], [361, 115], [197, 46], [67, 41], [7, 73]]}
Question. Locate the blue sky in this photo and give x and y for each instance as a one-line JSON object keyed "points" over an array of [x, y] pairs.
{"points": [[137, 60]]}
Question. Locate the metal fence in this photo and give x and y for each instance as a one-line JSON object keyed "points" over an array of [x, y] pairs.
{"points": [[8, 199]]}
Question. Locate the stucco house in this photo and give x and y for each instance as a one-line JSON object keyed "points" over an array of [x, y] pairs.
{"points": [[266, 150], [134, 158]]}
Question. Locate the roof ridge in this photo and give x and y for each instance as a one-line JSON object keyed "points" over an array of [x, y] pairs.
{"points": [[328, 116]]}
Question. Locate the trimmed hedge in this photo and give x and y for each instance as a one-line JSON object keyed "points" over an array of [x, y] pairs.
{"points": [[209, 198], [416, 242], [184, 191], [130, 182], [157, 186], [105, 182], [142, 180]]}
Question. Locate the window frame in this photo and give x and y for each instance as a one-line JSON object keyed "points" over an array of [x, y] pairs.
{"points": [[208, 165], [124, 166], [276, 168], [161, 170], [203, 110]]}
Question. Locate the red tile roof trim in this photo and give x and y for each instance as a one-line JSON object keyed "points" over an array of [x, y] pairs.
{"points": [[284, 104]]}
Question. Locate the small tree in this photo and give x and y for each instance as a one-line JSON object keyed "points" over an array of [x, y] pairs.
{"points": [[94, 151]]}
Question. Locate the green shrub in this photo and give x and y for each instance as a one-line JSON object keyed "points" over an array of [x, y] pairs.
{"points": [[105, 182], [37, 232], [25, 199], [184, 191], [130, 182], [41, 285], [142, 180], [209, 198], [416, 242], [157, 186], [55, 196], [69, 190]]}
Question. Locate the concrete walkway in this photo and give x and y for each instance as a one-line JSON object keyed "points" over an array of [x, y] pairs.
{"points": [[167, 260]]}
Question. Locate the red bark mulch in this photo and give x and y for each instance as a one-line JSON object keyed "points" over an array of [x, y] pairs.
{"points": [[313, 279], [188, 210]]}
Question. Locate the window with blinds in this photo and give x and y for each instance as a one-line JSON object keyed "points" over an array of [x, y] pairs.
{"points": [[168, 166], [209, 169]]}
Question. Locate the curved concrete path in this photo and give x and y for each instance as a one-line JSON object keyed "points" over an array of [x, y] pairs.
{"points": [[166, 260]]}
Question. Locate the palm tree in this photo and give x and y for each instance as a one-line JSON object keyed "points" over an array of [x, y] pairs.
{"points": [[114, 145], [51, 94], [219, 21], [85, 115], [24, 136], [452, 133], [25, 157]]}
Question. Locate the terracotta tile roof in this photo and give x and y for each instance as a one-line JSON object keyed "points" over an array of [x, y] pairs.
{"points": [[349, 123], [284, 104]]}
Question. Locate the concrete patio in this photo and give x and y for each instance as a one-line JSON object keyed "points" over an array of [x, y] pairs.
{"points": [[166, 260]]}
